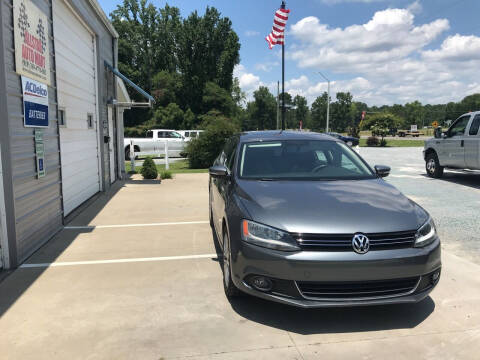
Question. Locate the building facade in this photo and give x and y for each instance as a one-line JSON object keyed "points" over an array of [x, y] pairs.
{"points": [[60, 143]]}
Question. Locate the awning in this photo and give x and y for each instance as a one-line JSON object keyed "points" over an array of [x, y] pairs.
{"points": [[135, 86]]}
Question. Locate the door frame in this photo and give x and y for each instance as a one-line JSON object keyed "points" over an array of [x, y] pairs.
{"points": [[4, 251]]}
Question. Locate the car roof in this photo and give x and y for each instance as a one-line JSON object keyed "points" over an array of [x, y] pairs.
{"points": [[275, 135]]}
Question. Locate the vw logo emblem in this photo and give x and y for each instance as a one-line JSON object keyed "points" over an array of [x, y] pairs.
{"points": [[360, 244]]}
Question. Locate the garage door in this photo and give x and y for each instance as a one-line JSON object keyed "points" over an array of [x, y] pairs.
{"points": [[76, 77]]}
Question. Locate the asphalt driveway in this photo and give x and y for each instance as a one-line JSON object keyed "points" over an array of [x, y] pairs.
{"points": [[136, 276]]}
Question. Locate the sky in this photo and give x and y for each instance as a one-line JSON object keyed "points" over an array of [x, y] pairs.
{"points": [[382, 51]]}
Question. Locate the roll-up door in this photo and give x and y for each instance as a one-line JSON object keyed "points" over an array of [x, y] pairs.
{"points": [[75, 59]]}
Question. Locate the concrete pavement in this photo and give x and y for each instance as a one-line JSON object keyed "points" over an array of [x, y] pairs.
{"points": [[163, 298]]}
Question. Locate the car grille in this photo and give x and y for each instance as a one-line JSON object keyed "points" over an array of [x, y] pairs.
{"points": [[343, 242], [357, 290]]}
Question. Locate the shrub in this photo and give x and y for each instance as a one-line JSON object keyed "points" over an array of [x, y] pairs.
{"points": [[373, 141], [203, 150], [383, 142], [149, 170], [166, 174]]}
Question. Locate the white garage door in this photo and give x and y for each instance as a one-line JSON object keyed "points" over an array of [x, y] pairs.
{"points": [[76, 77]]}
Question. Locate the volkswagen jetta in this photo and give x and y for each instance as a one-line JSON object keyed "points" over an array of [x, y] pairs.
{"points": [[302, 219]]}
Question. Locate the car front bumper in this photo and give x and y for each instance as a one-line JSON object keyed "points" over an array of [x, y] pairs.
{"points": [[287, 270]]}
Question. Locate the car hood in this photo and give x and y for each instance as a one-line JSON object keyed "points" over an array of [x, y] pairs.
{"points": [[330, 207]]}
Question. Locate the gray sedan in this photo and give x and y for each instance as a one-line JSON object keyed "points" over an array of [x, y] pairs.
{"points": [[303, 220]]}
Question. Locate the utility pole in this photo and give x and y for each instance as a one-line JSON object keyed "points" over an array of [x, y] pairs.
{"points": [[328, 102]]}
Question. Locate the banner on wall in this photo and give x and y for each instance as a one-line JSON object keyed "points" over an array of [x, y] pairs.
{"points": [[32, 53], [35, 103]]}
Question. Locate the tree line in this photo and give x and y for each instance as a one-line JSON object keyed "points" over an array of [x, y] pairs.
{"points": [[187, 65]]}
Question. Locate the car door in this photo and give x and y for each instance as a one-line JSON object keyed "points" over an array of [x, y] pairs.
{"points": [[146, 143], [220, 186], [472, 144], [453, 145], [176, 144]]}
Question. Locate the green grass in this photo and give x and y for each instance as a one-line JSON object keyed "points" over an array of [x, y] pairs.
{"points": [[398, 143], [178, 167]]}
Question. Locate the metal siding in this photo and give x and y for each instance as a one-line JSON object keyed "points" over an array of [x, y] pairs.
{"points": [[34, 206], [38, 209]]}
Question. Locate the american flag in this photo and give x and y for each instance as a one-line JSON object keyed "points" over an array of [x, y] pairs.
{"points": [[277, 37]]}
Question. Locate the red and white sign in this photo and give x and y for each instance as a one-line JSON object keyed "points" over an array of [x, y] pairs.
{"points": [[32, 52]]}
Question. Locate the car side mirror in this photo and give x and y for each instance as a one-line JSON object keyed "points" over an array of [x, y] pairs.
{"points": [[382, 170], [218, 171]]}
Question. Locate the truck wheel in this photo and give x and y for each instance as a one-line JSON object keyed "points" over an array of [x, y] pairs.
{"points": [[432, 166], [127, 153]]}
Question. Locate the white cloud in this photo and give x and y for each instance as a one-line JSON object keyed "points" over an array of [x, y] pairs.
{"points": [[249, 82], [266, 67], [386, 59], [251, 33], [332, 2]]}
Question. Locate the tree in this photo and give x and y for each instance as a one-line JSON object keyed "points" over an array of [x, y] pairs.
{"points": [[318, 120], [170, 117], [217, 98], [265, 113], [207, 50], [341, 112], [301, 111]]}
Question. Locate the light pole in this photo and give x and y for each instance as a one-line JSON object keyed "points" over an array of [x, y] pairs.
{"points": [[328, 101]]}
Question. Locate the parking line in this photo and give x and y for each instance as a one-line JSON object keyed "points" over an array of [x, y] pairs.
{"points": [[133, 225], [118, 261]]}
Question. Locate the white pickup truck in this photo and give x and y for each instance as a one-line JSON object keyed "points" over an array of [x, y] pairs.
{"points": [[153, 143], [457, 148]]}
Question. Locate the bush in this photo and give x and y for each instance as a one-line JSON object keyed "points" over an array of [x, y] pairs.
{"points": [[203, 150], [149, 170], [383, 142], [373, 141], [166, 174]]}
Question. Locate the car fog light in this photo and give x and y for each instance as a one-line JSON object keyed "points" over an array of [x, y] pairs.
{"points": [[261, 283], [435, 277]]}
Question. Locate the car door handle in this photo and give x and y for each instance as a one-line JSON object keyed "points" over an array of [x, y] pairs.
{"points": [[462, 143]]}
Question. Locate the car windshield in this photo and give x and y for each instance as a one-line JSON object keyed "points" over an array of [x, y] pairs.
{"points": [[301, 160]]}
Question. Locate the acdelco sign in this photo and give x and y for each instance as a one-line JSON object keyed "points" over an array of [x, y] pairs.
{"points": [[35, 89]]}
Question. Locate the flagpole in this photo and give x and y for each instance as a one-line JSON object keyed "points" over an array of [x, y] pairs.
{"points": [[283, 75]]}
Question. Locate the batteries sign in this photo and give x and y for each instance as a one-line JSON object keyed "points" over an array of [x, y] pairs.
{"points": [[35, 103]]}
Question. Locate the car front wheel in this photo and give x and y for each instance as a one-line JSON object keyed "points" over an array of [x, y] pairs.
{"points": [[433, 167], [231, 290]]}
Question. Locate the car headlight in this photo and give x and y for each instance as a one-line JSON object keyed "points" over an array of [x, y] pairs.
{"points": [[426, 234], [267, 237]]}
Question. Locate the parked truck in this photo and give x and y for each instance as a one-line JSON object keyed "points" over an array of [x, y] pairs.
{"points": [[412, 132], [153, 143], [457, 148]]}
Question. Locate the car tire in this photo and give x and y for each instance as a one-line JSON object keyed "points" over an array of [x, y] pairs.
{"points": [[229, 287], [432, 166], [210, 213]]}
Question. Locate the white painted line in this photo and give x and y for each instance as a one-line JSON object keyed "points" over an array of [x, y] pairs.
{"points": [[118, 261], [408, 176], [133, 225]]}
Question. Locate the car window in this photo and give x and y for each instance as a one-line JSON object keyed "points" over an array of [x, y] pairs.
{"points": [[229, 151], [193, 134], [301, 160], [475, 126], [458, 128], [174, 135], [149, 134], [161, 134]]}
